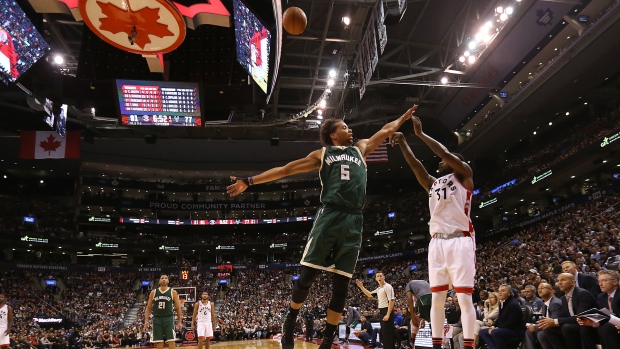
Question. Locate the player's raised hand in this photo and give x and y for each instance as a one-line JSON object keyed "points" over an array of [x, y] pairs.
{"points": [[396, 138], [236, 188], [417, 125], [359, 283], [410, 111]]}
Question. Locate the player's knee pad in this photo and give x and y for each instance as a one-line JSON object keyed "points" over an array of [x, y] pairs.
{"points": [[340, 286], [302, 286]]}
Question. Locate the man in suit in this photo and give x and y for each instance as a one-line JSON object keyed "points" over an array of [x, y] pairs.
{"points": [[509, 323], [609, 299], [565, 332], [582, 280], [535, 338]]}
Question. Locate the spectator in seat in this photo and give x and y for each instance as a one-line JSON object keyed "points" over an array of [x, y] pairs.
{"points": [[585, 281], [565, 332], [608, 299], [552, 308], [509, 323]]}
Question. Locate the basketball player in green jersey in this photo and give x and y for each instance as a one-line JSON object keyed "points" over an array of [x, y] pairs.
{"points": [[336, 236], [160, 304]]}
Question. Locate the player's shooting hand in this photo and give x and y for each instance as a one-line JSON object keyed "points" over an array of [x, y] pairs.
{"points": [[395, 138], [417, 125], [359, 283], [410, 112], [236, 188]]}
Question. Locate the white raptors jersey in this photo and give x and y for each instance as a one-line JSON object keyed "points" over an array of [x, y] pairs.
{"points": [[4, 317], [450, 204], [204, 312]]}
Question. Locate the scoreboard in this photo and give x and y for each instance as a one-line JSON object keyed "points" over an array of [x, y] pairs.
{"points": [[159, 103]]}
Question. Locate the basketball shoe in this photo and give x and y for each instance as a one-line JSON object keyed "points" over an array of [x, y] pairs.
{"points": [[288, 328]]}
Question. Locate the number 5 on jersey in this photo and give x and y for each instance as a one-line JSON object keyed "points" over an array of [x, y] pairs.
{"points": [[344, 172]]}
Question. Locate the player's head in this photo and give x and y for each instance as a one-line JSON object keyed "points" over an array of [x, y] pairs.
{"points": [[336, 132], [164, 280], [204, 296], [445, 169], [2, 299]]}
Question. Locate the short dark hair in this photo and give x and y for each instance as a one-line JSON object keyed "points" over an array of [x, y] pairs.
{"points": [[459, 156], [328, 127]]}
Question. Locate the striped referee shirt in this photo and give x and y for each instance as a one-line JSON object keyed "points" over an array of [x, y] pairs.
{"points": [[385, 294]]}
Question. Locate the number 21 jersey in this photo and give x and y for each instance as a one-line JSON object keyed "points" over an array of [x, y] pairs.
{"points": [[343, 177], [450, 205]]}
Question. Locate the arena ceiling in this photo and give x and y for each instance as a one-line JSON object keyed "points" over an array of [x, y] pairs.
{"points": [[423, 47]]}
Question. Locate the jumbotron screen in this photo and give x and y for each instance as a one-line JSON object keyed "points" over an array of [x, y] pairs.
{"points": [[21, 45], [253, 42], [159, 103]]}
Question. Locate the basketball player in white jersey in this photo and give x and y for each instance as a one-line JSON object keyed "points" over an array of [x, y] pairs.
{"points": [[6, 322], [452, 250], [204, 318]]}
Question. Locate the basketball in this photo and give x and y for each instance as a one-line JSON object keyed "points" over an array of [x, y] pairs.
{"points": [[294, 20]]}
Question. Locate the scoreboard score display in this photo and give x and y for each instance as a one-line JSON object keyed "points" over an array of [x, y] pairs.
{"points": [[159, 103]]}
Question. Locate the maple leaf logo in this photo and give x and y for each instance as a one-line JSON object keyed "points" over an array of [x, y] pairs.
{"points": [[50, 144], [138, 25]]}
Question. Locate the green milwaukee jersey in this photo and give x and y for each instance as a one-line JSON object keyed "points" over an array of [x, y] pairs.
{"points": [[162, 303], [343, 177]]}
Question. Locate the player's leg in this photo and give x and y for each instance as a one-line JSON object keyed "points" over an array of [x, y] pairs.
{"points": [[208, 334], [347, 231], [462, 272], [170, 333], [207, 343], [200, 333], [439, 281], [317, 251], [158, 333], [340, 286]]}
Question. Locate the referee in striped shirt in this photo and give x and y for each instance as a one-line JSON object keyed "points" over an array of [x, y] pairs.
{"points": [[385, 294]]}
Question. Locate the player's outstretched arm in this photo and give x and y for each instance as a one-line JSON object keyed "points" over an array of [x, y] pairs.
{"points": [[440, 150], [309, 163], [425, 180], [367, 146]]}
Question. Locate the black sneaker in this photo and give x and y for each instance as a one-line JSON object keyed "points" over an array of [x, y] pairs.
{"points": [[326, 343], [288, 327]]}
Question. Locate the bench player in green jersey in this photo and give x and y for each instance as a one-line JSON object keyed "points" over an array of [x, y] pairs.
{"points": [[161, 301], [336, 236]]}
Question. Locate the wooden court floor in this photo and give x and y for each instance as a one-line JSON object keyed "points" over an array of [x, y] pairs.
{"points": [[275, 344]]}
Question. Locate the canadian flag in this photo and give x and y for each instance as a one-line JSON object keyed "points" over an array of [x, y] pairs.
{"points": [[49, 145]]}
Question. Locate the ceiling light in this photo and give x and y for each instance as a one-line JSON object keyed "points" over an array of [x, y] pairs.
{"points": [[550, 123], [486, 38], [604, 161], [328, 90], [346, 20], [509, 10], [462, 59], [499, 9], [320, 112], [472, 45], [503, 17], [567, 113], [330, 82], [332, 73], [59, 60], [534, 132], [489, 24], [471, 59], [322, 104], [319, 117], [444, 80], [572, 176], [466, 53]]}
